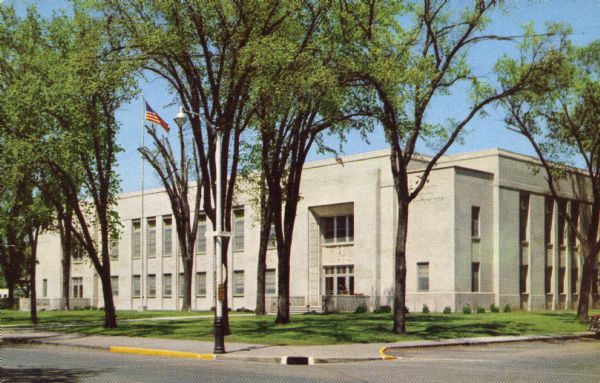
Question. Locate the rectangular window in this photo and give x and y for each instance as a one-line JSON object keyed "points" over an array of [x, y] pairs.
{"points": [[238, 283], [201, 284], [475, 276], [201, 235], [167, 285], [475, 221], [548, 213], [339, 280], [562, 271], [548, 280], [114, 248], [523, 216], [136, 289], [338, 229], [524, 270], [270, 286], [114, 285], [423, 276], [151, 238], [167, 236], [574, 222], [77, 283], [272, 243], [151, 285], [77, 253], [562, 221], [238, 231], [180, 284], [44, 288], [136, 239]]}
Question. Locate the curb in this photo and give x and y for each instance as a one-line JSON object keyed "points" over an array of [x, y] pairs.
{"points": [[158, 352]]}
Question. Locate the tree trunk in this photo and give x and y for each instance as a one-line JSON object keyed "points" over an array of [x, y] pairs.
{"points": [[225, 304], [67, 250], [10, 284], [283, 285], [32, 281], [586, 284], [400, 269], [594, 286], [187, 284], [110, 315], [265, 231]]}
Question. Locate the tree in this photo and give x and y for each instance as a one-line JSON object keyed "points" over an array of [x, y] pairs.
{"points": [[176, 178], [408, 68], [560, 120]]}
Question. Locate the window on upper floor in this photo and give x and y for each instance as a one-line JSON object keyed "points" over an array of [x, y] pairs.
{"points": [[136, 239], [523, 216], [114, 248], [548, 216], [77, 253], [562, 221], [338, 229], [475, 221], [201, 235], [151, 237], [167, 236], [238, 230]]}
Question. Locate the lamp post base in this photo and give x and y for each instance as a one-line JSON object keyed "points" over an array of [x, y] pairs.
{"points": [[219, 336]]}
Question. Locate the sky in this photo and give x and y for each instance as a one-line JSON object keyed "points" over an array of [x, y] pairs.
{"points": [[481, 133]]}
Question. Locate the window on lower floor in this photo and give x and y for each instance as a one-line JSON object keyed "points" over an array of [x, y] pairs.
{"points": [[136, 289], [548, 280], [524, 270], [167, 285], [151, 285], [475, 276], [77, 283], [201, 284], [339, 280], [562, 271], [270, 286], [423, 276], [44, 288], [574, 280], [238, 283], [180, 284], [114, 285]]}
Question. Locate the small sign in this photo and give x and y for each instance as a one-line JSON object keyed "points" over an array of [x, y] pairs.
{"points": [[221, 292]]}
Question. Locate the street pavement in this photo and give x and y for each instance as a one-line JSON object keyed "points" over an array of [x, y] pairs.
{"points": [[536, 361]]}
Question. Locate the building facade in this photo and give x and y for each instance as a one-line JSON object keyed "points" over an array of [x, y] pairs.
{"points": [[484, 230]]}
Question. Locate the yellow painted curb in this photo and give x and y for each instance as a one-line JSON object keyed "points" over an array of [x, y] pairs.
{"points": [[385, 356], [155, 352]]}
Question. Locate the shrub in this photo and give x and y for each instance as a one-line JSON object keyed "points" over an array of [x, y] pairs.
{"points": [[360, 309], [507, 308], [467, 310], [447, 310], [425, 309], [494, 308], [243, 310], [480, 310], [383, 309]]}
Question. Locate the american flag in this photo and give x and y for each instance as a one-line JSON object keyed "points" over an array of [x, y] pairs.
{"points": [[152, 116]]}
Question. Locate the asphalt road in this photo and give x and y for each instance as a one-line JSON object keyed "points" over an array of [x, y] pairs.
{"points": [[565, 361]]}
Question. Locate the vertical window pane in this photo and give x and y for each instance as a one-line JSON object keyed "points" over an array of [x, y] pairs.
{"points": [[340, 227], [151, 285], [350, 221], [548, 212], [201, 235], [329, 229], [136, 239], [548, 280], [238, 236], [201, 284], [151, 240], [561, 280], [562, 221], [44, 288], [167, 285], [475, 276], [423, 276], [575, 222], [135, 286], [114, 248], [475, 221], [114, 284], [167, 236], [523, 279], [523, 216], [272, 243], [238, 283], [329, 286], [270, 286], [180, 285]]}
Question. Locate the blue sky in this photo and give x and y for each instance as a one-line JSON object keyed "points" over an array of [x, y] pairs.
{"points": [[482, 133]]}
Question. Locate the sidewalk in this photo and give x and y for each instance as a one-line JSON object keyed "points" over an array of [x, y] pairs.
{"points": [[254, 352]]}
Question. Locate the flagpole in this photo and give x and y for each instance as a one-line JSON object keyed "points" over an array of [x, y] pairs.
{"points": [[142, 223]]}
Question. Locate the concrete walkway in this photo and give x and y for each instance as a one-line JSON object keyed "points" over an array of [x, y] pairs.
{"points": [[255, 352]]}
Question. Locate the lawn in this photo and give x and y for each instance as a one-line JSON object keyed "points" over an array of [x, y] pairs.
{"points": [[350, 328], [13, 317]]}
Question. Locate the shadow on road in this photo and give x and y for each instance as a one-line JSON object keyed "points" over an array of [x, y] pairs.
{"points": [[13, 375]]}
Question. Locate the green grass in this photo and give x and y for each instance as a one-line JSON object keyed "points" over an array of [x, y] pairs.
{"points": [[13, 317], [349, 328]]}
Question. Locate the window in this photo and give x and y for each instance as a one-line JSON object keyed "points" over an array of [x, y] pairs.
{"points": [[201, 235], [423, 276], [548, 280], [574, 274], [114, 284], [575, 222], [136, 239], [339, 280], [238, 231], [77, 253], [151, 288], [151, 238], [167, 236], [238, 283], [523, 216], [272, 242], [136, 289], [270, 287], [474, 277], [523, 271], [562, 221], [114, 248], [167, 285], [180, 284], [338, 229], [77, 283], [44, 288], [475, 221], [201, 284], [561, 279], [548, 212]]}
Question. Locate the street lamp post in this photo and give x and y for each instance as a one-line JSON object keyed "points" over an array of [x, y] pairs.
{"points": [[218, 236]]}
